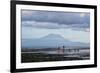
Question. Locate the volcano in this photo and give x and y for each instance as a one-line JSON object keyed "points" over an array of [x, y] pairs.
{"points": [[50, 41]]}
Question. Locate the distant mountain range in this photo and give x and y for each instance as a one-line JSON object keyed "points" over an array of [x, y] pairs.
{"points": [[50, 41]]}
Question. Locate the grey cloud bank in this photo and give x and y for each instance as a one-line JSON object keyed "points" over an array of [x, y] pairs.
{"points": [[55, 20]]}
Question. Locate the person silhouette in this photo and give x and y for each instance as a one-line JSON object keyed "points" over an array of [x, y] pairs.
{"points": [[63, 49]]}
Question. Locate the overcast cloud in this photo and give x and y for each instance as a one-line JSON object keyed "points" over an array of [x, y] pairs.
{"points": [[56, 20]]}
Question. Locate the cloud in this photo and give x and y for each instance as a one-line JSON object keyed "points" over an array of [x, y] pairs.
{"points": [[56, 20], [46, 25], [56, 17], [50, 25], [82, 29]]}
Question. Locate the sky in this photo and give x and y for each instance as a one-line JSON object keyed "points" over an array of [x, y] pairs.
{"points": [[74, 26]]}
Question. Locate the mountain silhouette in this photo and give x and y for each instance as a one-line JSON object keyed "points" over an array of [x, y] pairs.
{"points": [[53, 37], [56, 36], [50, 41]]}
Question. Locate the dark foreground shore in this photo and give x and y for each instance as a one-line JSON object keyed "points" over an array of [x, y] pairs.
{"points": [[43, 57]]}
